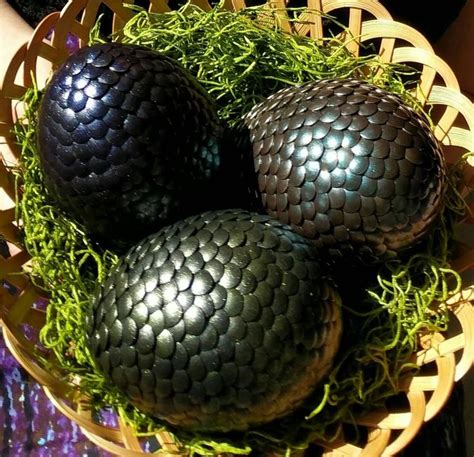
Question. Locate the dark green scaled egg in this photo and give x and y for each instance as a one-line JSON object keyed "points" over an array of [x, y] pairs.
{"points": [[349, 166], [128, 141], [219, 322]]}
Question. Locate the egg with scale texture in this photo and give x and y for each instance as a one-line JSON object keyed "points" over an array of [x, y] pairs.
{"points": [[349, 166], [128, 141], [222, 321]]}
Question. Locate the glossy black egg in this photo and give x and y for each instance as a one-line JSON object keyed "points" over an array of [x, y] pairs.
{"points": [[349, 166], [128, 141], [218, 322]]}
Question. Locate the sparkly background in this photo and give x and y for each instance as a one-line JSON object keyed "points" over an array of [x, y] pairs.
{"points": [[30, 426]]}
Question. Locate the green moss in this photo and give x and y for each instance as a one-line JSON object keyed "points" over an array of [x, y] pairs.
{"points": [[240, 63], [65, 262]]}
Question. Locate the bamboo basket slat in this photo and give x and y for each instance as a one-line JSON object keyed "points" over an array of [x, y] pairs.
{"points": [[378, 439], [416, 419], [447, 358], [40, 50], [384, 28], [160, 6], [312, 20], [203, 4]]}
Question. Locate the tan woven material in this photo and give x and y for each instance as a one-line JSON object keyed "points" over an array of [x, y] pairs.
{"points": [[445, 359]]}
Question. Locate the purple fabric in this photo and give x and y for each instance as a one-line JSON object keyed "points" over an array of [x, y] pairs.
{"points": [[72, 42], [30, 426]]}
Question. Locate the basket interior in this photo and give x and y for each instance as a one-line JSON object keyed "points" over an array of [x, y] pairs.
{"points": [[446, 358]]}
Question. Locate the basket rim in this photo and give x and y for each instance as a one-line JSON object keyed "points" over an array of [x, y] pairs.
{"points": [[441, 353]]}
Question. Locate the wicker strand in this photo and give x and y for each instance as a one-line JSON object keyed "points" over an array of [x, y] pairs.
{"points": [[389, 431]]}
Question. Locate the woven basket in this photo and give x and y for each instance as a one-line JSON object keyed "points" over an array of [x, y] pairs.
{"points": [[445, 359]]}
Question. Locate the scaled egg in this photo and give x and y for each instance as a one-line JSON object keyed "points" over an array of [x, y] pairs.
{"points": [[349, 166], [128, 141], [219, 322]]}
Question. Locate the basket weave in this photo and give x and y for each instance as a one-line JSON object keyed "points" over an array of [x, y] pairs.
{"points": [[444, 360]]}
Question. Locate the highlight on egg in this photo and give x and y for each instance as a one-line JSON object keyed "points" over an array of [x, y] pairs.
{"points": [[222, 321], [128, 141], [349, 166]]}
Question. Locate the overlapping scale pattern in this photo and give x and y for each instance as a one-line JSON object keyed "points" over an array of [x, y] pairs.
{"points": [[348, 165], [128, 140], [218, 322]]}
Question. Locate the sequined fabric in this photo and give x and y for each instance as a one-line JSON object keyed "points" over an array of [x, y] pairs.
{"points": [[30, 426]]}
